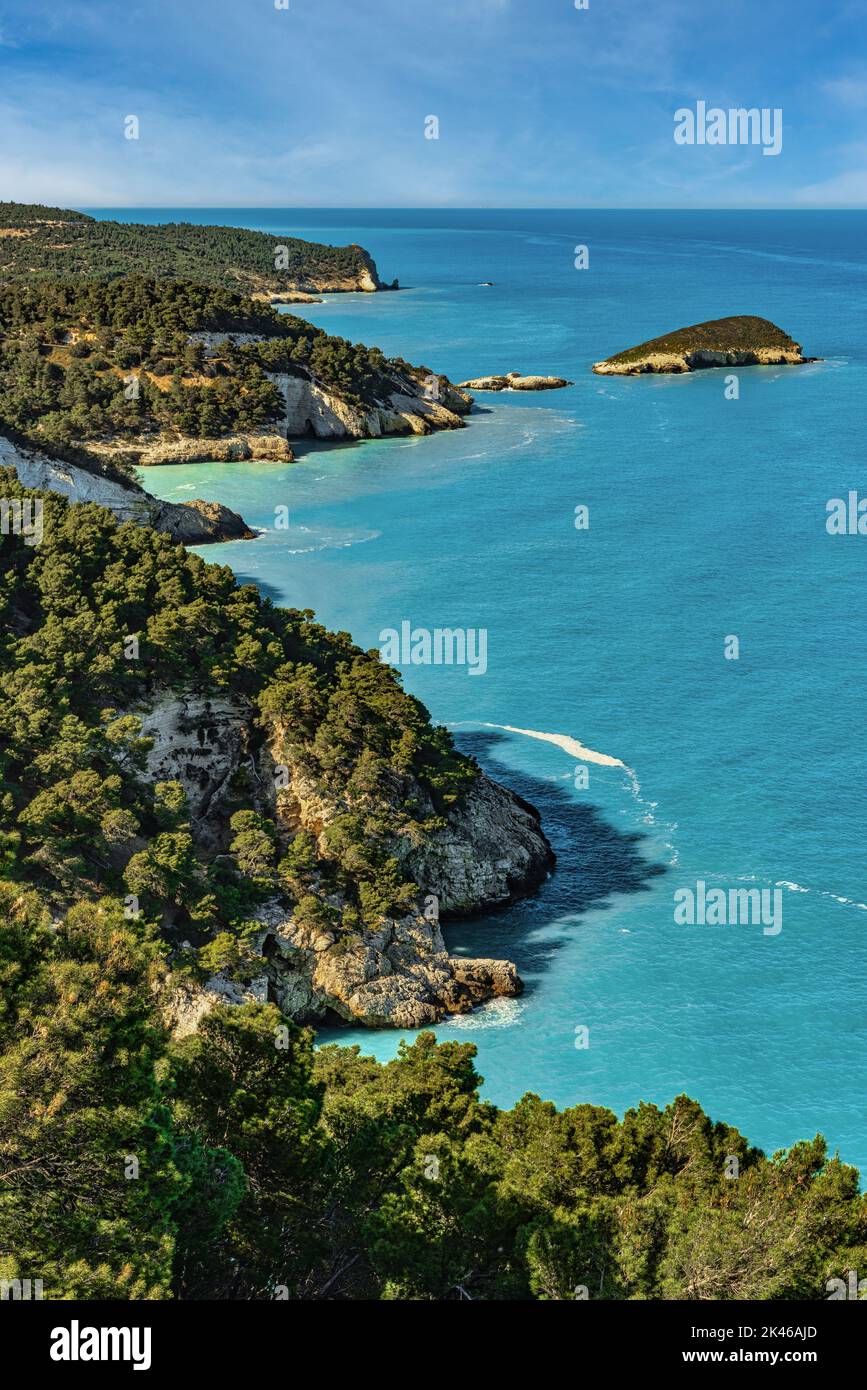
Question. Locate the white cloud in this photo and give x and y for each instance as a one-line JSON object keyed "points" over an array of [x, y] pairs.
{"points": [[848, 189], [849, 91]]}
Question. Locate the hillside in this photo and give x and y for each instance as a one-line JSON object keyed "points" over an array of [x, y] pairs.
{"points": [[215, 815], [146, 370], [742, 340], [51, 243], [156, 774]]}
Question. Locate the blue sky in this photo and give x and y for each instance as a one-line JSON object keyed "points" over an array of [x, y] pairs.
{"points": [[324, 103]]}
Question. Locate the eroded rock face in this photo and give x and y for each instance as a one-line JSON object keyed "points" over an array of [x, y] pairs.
{"points": [[409, 404], [268, 448], [185, 1003], [311, 409], [490, 851], [199, 522], [200, 742], [676, 362], [400, 976], [192, 523], [364, 279]]}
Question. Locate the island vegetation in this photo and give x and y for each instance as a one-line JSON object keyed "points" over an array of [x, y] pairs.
{"points": [[741, 340]]}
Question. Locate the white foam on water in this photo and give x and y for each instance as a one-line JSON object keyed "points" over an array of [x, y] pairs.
{"points": [[333, 542], [822, 893], [497, 1013], [565, 741], [797, 888], [576, 749]]}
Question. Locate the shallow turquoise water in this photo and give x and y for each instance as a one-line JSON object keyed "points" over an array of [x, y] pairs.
{"points": [[707, 518]]}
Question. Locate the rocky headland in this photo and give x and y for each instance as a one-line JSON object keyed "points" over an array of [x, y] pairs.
{"points": [[485, 853], [41, 242], [189, 523]]}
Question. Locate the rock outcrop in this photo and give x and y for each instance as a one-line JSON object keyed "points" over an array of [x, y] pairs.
{"points": [[409, 403], [287, 297], [200, 742], [191, 523], [198, 522], [514, 381], [228, 448], [311, 409], [488, 850], [363, 278], [740, 341], [400, 976]]}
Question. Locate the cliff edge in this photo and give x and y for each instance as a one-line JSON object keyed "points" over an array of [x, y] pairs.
{"points": [[485, 852], [189, 523]]}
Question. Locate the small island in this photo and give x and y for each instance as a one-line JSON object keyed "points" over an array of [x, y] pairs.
{"points": [[514, 381], [740, 341]]}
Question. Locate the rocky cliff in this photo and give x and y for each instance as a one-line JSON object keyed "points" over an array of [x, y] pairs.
{"points": [[364, 277], [409, 400], [405, 408], [190, 523], [265, 447], [483, 854]]}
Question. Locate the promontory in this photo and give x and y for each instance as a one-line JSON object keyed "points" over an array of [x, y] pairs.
{"points": [[740, 341]]}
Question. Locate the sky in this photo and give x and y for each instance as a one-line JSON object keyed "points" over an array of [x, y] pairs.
{"points": [[325, 103]]}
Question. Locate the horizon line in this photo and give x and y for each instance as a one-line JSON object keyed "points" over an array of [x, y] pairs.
{"points": [[458, 207]]}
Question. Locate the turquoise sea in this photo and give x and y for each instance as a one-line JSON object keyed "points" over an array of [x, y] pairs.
{"points": [[707, 520]]}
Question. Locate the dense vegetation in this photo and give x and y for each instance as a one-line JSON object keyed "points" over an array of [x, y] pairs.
{"points": [[85, 364], [740, 333], [236, 1163], [46, 243], [78, 819]]}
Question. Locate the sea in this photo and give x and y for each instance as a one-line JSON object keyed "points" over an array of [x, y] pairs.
{"points": [[651, 562]]}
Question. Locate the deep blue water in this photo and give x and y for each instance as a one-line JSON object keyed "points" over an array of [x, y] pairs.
{"points": [[707, 519]]}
